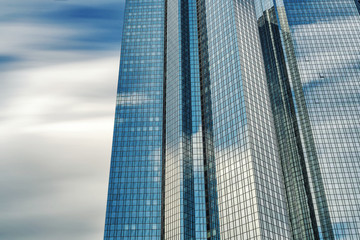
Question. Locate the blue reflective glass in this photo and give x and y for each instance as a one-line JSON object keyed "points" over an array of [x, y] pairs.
{"points": [[237, 120]]}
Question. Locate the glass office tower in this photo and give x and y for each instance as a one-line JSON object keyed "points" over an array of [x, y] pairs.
{"points": [[134, 208], [322, 45], [311, 50], [237, 119]]}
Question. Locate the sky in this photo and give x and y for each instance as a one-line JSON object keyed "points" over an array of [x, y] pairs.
{"points": [[58, 72]]}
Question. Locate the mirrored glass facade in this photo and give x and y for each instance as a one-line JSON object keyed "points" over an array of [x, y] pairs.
{"points": [[237, 119], [135, 185], [324, 50]]}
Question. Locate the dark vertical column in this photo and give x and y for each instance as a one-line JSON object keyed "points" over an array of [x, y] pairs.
{"points": [[187, 143], [212, 211], [163, 165], [197, 127], [179, 185]]}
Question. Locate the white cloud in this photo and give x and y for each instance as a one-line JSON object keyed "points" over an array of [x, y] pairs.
{"points": [[60, 92], [55, 149]]}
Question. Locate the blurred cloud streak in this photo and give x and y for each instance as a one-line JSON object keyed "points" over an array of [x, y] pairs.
{"points": [[58, 70]]}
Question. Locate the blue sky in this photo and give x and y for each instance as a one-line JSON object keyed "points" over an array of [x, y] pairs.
{"points": [[58, 69]]}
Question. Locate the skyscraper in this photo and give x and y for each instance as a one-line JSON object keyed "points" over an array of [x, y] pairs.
{"points": [[237, 119]]}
